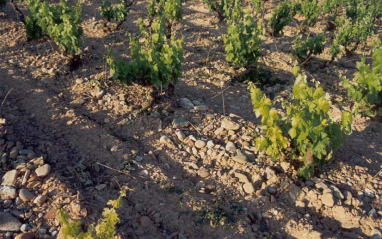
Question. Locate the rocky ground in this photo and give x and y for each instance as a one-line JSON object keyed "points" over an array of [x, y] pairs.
{"points": [[71, 140]]}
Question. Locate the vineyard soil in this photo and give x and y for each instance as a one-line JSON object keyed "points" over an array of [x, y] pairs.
{"points": [[185, 168]]}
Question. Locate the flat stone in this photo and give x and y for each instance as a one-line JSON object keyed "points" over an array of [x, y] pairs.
{"points": [[203, 173], [13, 154], [186, 103], [250, 156], [9, 223], [270, 173], [26, 151], [9, 178], [78, 102], [8, 192], [43, 171], [321, 185], [248, 188], [229, 125], [336, 192], [25, 195], [27, 235], [180, 122], [327, 199], [201, 108], [101, 187], [146, 221], [39, 200], [240, 159], [285, 166], [200, 144], [242, 178]]}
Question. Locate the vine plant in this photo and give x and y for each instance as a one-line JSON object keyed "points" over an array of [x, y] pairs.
{"points": [[115, 12], [304, 49], [61, 23], [366, 87], [105, 228], [304, 130], [157, 62]]}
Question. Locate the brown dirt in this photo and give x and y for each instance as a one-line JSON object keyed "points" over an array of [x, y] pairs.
{"points": [[169, 197]]}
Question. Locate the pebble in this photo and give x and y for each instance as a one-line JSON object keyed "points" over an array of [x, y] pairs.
{"points": [[240, 159], [9, 178], [25, 195], [201, 108], [100, 187], [321, 185], [210, 144], [25, 227], [26, 152], [100, 94], [164, 139], [180, 135], [271, 190], [327, 199], [203, 173], [285, 166], [43, 171], [40, 199], [230, 147], [369, 193], [145, 221], [8, 192], [186, 103], [336, 192], [248, 188], [78, 102], [9, 223], [13, 154], [242, 178], [229, 125], [180, 122], [200, 144], [270, 173]]}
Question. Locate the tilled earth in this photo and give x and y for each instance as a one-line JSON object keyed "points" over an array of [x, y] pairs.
{"points": [[72, 139]]}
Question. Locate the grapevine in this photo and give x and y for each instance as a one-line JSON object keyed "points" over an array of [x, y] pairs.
{"points": [[305, 126]]}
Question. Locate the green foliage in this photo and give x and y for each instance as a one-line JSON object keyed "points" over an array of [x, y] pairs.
{"points": [[171, 9], [258, 6], [305, 125], [366, 87], [243, 40], [303, 49], [311, 10], [221, 7], [114, 12], [358, 9], [60, 22], [350, 32], [105, 228], [331, 6], [282, 16], [158, 61]]}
